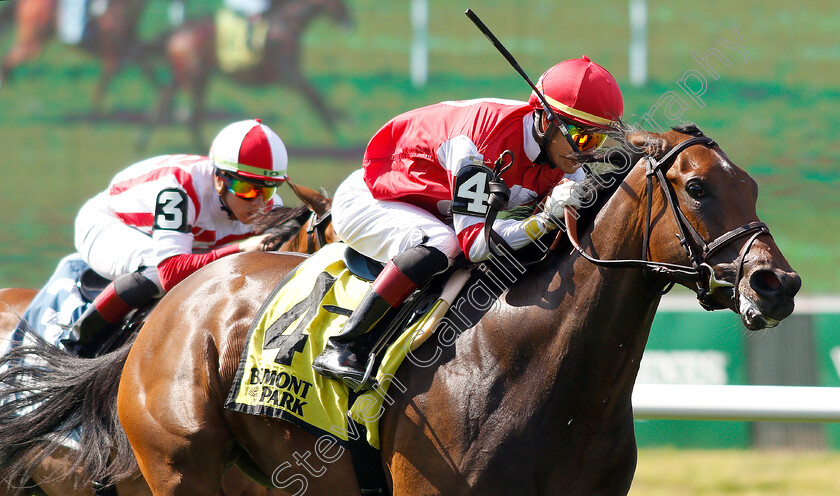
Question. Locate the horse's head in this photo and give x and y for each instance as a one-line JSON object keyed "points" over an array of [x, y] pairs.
{"points": [[318, 230], [336, 10], [711, 224], [297, 13]]}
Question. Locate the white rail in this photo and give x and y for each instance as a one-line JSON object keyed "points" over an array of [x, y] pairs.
{"points": [[714, 402]]}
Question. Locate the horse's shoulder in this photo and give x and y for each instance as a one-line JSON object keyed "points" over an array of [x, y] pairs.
{"points": [[254, 263], [258, 270]]}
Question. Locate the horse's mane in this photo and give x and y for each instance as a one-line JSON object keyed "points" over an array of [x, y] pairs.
{"points": [[623, 155], [281, 223]]}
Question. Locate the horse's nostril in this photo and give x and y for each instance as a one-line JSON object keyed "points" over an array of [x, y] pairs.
{"points": [[765, 282], [770, 280]]}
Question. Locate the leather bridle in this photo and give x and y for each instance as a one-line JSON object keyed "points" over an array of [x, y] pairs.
{"points": [[696, 248], [318, 225]]}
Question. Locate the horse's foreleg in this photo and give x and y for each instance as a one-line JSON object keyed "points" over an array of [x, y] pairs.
{"points": [[19, 54], [34, 20], [199, 91], [110, 69], [162, 110]]}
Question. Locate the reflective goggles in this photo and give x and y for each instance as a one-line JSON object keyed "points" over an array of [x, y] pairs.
{"points": [[245, 190], [585, 139]]}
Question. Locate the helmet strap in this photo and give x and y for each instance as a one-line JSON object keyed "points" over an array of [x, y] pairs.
{"points": [[225, 208], [545, 137]]}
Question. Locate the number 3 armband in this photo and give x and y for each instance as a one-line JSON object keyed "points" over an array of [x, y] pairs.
{"points": [[171, 211], [472, 191]]}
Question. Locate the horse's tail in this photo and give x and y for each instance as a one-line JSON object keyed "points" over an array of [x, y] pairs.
{"points": [[46, 397]]}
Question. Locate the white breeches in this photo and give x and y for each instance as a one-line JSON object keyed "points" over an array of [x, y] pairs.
{"points": [[110, 247], [383, 229]]}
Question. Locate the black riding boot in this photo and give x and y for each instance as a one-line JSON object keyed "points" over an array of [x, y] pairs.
{"points": [[347, 354], [104, 315]]}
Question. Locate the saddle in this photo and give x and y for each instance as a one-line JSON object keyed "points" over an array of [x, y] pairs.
{"points": [[275, 375]]}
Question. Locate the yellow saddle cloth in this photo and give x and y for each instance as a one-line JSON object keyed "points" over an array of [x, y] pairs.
{"points": [[240, 42], [275, 376]]}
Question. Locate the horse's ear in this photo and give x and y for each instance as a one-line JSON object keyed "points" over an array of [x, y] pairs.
{"points": [[317, 202], [646, 143]]}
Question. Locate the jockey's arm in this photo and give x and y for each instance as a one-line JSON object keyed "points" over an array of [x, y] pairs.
{"points": [[457, 155], [516, 233], [176, 268]]}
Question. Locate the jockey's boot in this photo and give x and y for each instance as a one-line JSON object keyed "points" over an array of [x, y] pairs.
{"points": [[346, 355], [122, 295]]}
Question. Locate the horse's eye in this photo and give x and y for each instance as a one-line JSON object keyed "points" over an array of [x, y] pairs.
{"points": [[695, 189]]}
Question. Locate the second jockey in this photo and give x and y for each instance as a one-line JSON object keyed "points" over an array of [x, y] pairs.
{"points": [[421, 198], [163, 218]]}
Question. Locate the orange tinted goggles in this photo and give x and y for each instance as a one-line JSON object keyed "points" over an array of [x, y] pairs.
{"points": [[246, 190], [584, 139]]}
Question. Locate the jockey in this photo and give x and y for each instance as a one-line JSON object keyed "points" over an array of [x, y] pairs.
{"points": [[420, 199], [248, 8], [163, 218]]}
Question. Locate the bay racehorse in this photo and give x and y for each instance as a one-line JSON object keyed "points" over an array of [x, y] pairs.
{"points": [[114, 39], [191, 52], [531, 395], [54, 475]]}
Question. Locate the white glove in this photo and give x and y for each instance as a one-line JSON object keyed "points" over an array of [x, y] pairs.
{"points": [[566, 194]]}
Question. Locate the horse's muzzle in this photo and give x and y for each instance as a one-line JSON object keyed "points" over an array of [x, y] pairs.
{"points": [[768, 297]]}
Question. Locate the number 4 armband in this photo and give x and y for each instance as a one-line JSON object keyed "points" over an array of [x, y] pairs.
{"points": [[475, 192]]}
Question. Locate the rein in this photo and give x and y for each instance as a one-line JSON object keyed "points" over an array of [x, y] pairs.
{"points": [[317, 223], [318, 226], [700, 271]]}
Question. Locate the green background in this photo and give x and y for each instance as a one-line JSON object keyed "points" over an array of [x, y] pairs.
{"points": [[776, 114], [803, 351]]}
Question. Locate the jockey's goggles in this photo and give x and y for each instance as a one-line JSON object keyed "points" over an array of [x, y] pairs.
{"points": [[583, 138], [245, 190]]}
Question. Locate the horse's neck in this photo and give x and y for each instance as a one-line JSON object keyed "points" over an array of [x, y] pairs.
{"points": [[296, 15], [595, 321]]}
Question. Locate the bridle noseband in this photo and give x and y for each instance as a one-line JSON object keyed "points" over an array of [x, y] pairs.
{"points": [[696, 248]]}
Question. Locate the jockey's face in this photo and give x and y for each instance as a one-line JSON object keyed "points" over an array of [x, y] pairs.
{"points": [[243, 209], [558, 151]]}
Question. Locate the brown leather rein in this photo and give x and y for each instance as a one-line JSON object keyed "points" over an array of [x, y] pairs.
{"points": [[697, 249], [318, 225]]}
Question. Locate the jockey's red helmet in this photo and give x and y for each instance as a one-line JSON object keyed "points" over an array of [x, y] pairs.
{"points": [[582, 91], [251, 150]]}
